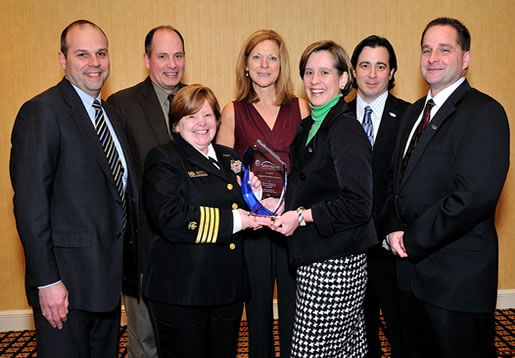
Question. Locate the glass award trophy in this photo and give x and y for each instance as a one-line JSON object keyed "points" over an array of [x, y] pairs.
{"points": [[271, 171]]}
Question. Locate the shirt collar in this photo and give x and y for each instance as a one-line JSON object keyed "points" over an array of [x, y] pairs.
{"points": [[377, 106], [86, 99], [210, 152], [444, 94], [162, 96]]}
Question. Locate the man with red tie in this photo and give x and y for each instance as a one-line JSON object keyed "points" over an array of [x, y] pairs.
{"points": [[449, 167]]}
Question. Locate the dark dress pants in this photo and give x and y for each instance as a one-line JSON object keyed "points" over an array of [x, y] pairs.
{"points": [[267, 260], [196, 331], [84, 335], [382, 296], [429, 331]]}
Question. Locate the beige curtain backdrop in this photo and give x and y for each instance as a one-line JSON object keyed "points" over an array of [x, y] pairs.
{"points": [[214, 31]]}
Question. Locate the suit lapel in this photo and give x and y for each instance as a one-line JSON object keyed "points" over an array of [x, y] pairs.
{"points": [[153, 113], [80, 117], [411, 114], [448, 108], [386, 126]]}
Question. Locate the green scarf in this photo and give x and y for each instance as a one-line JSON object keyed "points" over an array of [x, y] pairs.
{"points": [[318, 115]]}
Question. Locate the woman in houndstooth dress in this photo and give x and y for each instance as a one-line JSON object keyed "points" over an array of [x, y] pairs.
{"points": [[328, 212]]}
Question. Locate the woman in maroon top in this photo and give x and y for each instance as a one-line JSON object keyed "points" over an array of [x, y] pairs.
{"points": [[266, 109]]}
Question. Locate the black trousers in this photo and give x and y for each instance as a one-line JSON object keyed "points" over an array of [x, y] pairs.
{"points": [[196, 331], [267, 260], [382, 295], [429, 331], [84, 335]]}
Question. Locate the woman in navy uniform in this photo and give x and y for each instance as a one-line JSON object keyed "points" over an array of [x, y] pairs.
{"points": [[195, 281]]}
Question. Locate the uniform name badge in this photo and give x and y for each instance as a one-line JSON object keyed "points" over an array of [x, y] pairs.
{"points": [[271, 171]]}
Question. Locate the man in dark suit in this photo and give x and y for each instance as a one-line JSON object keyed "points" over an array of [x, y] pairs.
{"points": [[73, 199], [375, 63], [144, 109], [450, 164]]}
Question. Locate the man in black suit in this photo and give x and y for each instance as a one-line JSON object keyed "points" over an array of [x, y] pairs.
{"points": [[450, 164], [375, 63], [144, 109], [73, 204]]}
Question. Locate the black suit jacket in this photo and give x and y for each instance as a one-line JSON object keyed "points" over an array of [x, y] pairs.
{"points": [[445, 202], [382, 152], [194, 258], [145, 127], [66, 204], [332, 176]]}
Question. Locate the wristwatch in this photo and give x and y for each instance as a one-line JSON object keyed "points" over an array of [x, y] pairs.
{"points": [[300, 210]]}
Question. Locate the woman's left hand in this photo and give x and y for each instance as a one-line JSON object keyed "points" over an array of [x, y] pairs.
{"points": [[287, 223]]}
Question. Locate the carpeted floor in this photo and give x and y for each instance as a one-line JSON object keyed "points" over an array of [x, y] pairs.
{"points": [[17, 344]]}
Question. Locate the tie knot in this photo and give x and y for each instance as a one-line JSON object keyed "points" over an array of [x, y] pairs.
{"points": [[96, 104], [170, 98], [430, 104], [367, 117]]}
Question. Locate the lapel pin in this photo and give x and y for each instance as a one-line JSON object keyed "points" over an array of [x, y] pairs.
{"points": [[236, 166], [433, 127], [392, 114]]}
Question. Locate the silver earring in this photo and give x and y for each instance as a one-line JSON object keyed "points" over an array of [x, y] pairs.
{"points": [[247, 73]]}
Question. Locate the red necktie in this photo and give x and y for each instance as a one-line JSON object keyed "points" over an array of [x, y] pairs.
{"points": [[418, 132]]}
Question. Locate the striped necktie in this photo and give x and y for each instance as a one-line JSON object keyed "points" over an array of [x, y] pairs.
{"points": [[368, 126], [414, 140], [113, 158]]}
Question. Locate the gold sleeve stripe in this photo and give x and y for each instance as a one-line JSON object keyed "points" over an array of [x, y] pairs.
{"points": [[217, 224], [201, 225], [204, 228], [209, 225]]}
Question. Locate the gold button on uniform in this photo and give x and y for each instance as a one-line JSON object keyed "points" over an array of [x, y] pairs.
{"points": [[229, 186], [234, 206], [232, 245]]}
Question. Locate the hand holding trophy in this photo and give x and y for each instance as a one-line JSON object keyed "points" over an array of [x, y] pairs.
{"points": [[272, 172]]}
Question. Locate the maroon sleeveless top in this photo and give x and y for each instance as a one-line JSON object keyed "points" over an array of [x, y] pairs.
{"points": [[249, 126]]}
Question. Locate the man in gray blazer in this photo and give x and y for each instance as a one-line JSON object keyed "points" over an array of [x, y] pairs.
{"points": [[73, 201], [144, 109]]}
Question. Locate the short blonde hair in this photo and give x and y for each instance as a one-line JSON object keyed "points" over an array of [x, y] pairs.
{"points": [[189, 100], [283, 85]]}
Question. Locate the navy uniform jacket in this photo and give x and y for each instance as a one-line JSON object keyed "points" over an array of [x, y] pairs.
{"points": [[194, 257], [332, 176]]}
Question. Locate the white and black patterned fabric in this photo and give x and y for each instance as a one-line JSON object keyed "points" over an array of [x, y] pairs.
{"points": [[329, 320]]}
